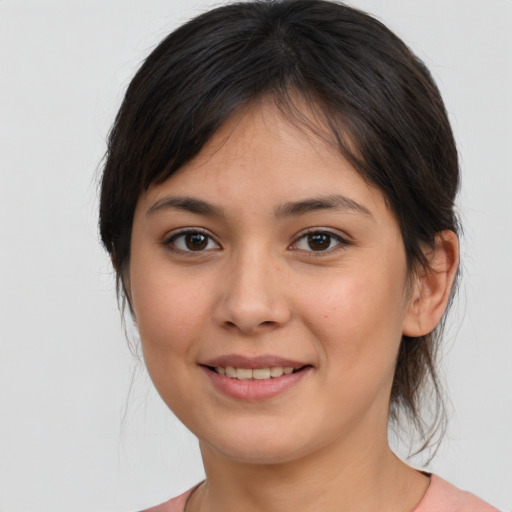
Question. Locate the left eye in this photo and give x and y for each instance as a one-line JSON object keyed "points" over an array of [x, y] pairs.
{"points": [[192, 241], [318, 241]]}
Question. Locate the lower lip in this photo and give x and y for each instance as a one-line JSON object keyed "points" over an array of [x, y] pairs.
{"points": [[253, 389]]}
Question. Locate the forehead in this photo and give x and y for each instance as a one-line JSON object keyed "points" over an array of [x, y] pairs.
{"points": [[259, 163], [260, 152]]}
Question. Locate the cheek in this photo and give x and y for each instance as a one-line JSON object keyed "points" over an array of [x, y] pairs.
{"points": [[357, 322], [358, 318], [171, 320], [169, 312]]}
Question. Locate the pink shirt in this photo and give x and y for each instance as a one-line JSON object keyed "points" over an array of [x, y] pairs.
{"points": [[441, 496]]}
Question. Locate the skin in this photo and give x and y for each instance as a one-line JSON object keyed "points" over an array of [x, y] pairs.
{"points": [[259, 288]]}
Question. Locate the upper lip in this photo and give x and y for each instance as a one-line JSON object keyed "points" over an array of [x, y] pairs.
{"points": [[252, 362]]}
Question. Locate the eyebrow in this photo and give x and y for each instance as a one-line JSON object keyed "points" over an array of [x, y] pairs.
{"points": [[188, 204], [289, 209], [333, 202]]}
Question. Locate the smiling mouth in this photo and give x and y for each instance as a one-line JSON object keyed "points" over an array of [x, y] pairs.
{"points": [[255, 373]]}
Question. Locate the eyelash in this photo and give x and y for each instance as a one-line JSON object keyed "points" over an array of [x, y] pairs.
{"points": [[170, 241], [342, 242]]}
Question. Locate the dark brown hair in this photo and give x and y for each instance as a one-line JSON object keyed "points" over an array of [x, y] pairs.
{"points": [[371, 96]]}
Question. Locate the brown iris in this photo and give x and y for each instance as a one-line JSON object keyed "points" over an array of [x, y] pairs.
{"points": [[319, 241], [196, 241]]}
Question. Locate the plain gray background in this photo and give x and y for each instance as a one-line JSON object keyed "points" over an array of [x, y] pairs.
{"points": [[70, 438]]}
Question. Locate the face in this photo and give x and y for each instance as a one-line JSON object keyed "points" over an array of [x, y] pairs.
{"points": [[269, 285]]}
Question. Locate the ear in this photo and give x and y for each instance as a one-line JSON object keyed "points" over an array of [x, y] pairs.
{"points": [[432, 286]]}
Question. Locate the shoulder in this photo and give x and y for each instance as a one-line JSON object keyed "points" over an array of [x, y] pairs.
{"points": [[175, 504], [442, 496]]}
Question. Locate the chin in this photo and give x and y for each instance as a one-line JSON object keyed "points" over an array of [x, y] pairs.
{"points": [[266, 445]]}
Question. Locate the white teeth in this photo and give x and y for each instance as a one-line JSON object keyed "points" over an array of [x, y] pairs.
{"points": [[243, 373], [261, 373], [276, 371], [231, 372], [256, 373]]}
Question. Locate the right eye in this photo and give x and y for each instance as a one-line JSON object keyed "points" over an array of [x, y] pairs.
{"points": [[191, 241]]}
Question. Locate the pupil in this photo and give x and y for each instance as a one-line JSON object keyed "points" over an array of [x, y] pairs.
{"points": [[196, 241], [319, 241]]}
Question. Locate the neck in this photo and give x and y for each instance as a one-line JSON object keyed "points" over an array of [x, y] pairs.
{"points": [[351, 477]]}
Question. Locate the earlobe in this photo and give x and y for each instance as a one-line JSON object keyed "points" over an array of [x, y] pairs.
{"points": [[432, 287]]}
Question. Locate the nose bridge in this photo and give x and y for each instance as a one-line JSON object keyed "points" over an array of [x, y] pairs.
{"points": [[253, 295]]}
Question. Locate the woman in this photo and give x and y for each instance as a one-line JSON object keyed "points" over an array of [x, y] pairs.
{"points": [[278, 203]]}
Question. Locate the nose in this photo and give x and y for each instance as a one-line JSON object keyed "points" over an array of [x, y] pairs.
{"points": [[253, 296]]}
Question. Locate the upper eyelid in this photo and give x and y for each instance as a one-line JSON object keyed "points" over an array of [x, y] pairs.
{"points": [[170, 236], [183, 231], [343, 242], [330, 231]]}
